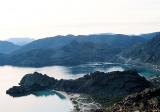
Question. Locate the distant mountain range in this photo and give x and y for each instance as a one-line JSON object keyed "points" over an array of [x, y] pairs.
{"points": [[70, 49], [20, 41]]}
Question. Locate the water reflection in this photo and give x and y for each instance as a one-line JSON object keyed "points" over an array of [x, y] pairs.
{"points": [[46, 93]]}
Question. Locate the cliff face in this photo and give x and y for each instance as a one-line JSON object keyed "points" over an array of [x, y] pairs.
{"points": [[113, 84]]}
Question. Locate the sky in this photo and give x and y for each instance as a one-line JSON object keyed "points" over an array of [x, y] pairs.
{"points": [[44, 18]]}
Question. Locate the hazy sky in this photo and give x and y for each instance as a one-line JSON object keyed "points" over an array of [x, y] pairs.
{"points": [[41, 18]]}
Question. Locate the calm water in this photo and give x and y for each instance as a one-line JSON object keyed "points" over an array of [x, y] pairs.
{"points": [[51, 101]]}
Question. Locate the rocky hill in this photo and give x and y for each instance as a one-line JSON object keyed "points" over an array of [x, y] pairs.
{"points": [[145, 101], [113, 84]]}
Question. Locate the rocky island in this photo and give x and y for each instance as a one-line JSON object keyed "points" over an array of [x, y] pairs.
{"points": [[113, 84]]}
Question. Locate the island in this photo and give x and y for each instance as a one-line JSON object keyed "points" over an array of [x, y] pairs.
{"points": [[112, 84]]}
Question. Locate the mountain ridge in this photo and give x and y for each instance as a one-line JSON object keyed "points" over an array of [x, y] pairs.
{"points": [[60, 50], [71, 49]]}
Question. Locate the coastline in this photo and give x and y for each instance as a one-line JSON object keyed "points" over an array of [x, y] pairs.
{"points": [[83, 103]]}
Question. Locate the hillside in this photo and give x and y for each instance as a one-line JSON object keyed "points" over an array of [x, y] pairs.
{"points": [[2, 59], [147, 52], [7, 47], [145, 101]]}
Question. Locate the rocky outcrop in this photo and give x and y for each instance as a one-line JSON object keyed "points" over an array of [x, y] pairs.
{"points": [[113, 84], [145, 101], [155, 81], [17, 91], [39, 79], [31, 83]]}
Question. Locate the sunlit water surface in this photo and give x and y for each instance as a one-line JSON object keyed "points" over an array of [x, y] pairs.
{"points": [[50, 101]]}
